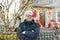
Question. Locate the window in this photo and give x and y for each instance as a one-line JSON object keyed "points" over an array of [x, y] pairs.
{"points": [[42, 17], [58, 17]]}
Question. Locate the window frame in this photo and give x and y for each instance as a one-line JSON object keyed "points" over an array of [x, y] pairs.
{"points": [[57, 16]]}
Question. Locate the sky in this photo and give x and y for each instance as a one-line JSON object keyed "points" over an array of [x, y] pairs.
{"points": [[14, 5]]}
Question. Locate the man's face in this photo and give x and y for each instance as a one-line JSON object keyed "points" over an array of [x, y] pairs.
{"points": [[29, 17]]}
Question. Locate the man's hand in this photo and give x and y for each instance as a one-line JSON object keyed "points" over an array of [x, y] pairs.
{"points": [[23, 32], [32, 30]]}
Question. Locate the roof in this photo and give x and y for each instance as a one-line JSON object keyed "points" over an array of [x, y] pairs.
{"points": [[46, 3]]}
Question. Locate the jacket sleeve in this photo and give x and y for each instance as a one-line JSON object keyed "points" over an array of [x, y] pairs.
{"points": [[19, 32], [34, 34]]}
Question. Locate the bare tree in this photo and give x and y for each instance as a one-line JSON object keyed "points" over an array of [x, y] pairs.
{"points": [[23, 5], [5, 13]]}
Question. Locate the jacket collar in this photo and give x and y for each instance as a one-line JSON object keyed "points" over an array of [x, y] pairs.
{"points": [[26, 22]]}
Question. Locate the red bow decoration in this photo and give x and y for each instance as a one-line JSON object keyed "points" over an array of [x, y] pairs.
{"points": [[34, 14]]}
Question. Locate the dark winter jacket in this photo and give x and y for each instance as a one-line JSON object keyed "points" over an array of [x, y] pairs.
{"points": [[28, 27]]}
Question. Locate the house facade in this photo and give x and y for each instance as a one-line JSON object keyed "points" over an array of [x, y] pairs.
{"points": [[47, 10]]}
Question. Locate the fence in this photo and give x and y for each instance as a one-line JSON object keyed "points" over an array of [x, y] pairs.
{"points": [[43, 36], [46, 36]]}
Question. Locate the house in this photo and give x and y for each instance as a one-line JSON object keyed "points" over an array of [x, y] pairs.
{"points": [[47, 10]]}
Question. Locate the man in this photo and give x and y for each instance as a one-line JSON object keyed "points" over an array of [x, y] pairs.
{"points": [[28, 30]]}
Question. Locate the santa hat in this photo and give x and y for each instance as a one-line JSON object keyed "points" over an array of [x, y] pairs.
{"points": [[28, 12]]}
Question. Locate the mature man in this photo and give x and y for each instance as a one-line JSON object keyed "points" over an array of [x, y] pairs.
{"points": [[28, 30]]}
